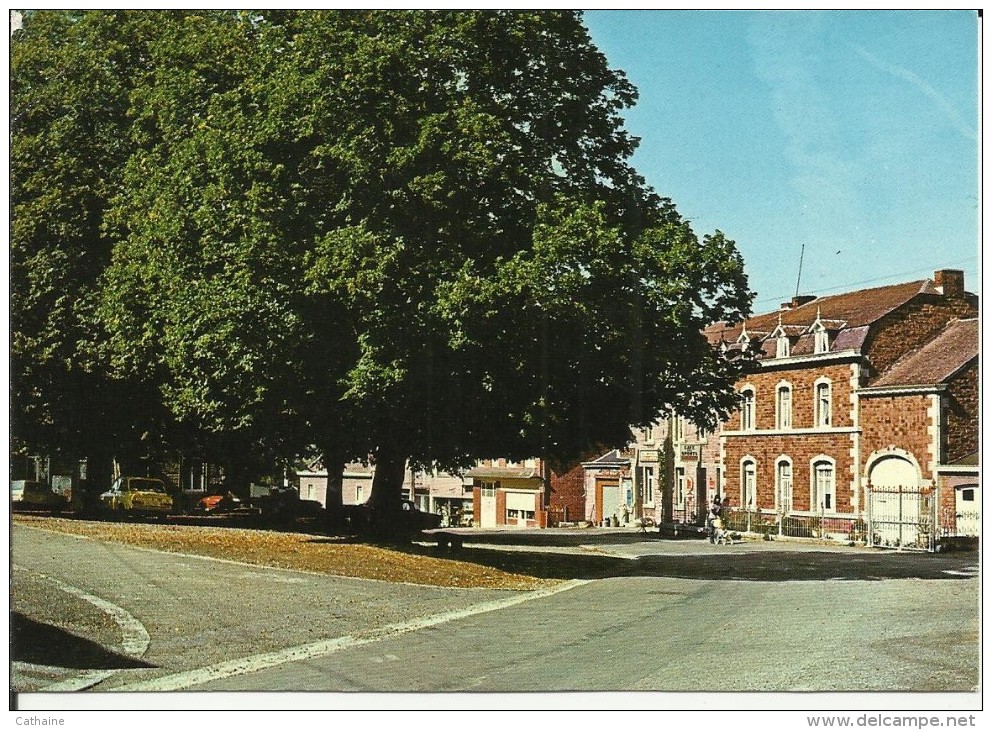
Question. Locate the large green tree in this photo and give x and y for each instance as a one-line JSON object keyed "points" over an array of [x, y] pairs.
{"points": [[69, 139], [400, 235]]}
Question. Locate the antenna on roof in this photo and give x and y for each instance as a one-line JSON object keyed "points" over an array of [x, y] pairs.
{"points": [[798, 278]]}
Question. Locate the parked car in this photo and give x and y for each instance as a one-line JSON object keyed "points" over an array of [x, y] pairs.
{"points": [[404, 521], [137, 496], [219, 503], [29, 494]]}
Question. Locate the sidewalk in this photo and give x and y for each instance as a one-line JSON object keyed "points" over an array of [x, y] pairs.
{"points": [[620, 542]]}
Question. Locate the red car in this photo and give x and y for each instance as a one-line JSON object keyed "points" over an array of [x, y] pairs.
{"points": [[218, 503]]}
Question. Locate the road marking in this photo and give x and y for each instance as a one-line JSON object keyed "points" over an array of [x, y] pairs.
{"points": [[248, 665], [79, 681], [970, 572], [83, 681], [272, 578], [135, 637]]}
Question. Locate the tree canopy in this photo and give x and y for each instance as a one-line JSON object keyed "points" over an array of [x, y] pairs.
{"points": [[404, 235]]}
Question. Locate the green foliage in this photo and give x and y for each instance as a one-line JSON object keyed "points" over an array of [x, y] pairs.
{"points": [[407, 233]]}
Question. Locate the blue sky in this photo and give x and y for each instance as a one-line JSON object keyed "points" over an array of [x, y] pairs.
{"points": [[853, 133]]}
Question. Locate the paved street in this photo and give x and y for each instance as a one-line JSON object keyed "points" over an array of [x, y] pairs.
{"points": [[671, 616]]}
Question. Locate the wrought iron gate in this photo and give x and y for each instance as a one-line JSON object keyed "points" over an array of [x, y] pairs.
{"points": [[902, 517]]}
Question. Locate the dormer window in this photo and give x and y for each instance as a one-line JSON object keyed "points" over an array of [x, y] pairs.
{"points": [[783, 341], [821, 341], [821, 329], [744, 340]]}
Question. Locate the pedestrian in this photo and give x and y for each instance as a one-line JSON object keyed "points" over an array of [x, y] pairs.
{"points": [[714, 516]]}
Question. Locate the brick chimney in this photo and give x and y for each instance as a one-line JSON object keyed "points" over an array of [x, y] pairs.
{"points": [[949, 282], [798, 301]]}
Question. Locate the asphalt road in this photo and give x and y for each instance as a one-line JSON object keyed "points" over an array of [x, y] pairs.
{"points": [[674, 617]]}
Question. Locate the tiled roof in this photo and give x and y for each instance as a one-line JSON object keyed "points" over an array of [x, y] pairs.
{"points": [[503, 472], [857, 309], [971, 459], [937, 360], [612, 458]]}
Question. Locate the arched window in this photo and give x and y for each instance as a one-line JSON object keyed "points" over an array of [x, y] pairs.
{"points": [[823, 493], [747, 409], [783, 406], [783, 485], [782, 346], [749, 484], [822, 403]]}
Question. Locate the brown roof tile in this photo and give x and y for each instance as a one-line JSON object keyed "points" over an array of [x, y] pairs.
{"points": [[937, 360], [503, 472], [856, 309]]}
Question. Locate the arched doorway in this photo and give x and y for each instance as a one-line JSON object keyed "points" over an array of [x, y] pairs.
{"points": [[894, 470], [899, 504]]}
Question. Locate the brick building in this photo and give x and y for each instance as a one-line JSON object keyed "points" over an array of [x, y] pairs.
{"points": [[854, 394], [525, 494]]}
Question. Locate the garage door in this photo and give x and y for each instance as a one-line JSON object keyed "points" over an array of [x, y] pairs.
{"points": [[520, 507]]}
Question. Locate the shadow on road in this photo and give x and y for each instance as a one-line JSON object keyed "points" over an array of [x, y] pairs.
{"points": [[38, 643], [783, 565]]}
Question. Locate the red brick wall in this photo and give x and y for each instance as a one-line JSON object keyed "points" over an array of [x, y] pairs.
{"points": [[568, 490], [897, 421], [766, 383], [500, 507], [910, 326], [961, 414], [476, 505], [801, 448]]}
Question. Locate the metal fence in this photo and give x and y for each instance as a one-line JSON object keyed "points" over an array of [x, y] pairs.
{"points": [[814, 526], [959, 523], [687, 513]]}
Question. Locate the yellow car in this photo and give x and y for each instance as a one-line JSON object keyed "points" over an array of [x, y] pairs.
{"points": [[137, 496]]}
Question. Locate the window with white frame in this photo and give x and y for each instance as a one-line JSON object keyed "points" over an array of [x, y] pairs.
{"points": [[822, 403], [679, 488], [678, 427], [747, 409], [783, 406], [783, 486], [647, 484], [782, 346], [824, 492], [821, 341], [749, 484]]}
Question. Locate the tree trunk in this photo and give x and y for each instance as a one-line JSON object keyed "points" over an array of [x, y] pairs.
{"points": [[99, 478], [334, 465], [387, 483]]}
